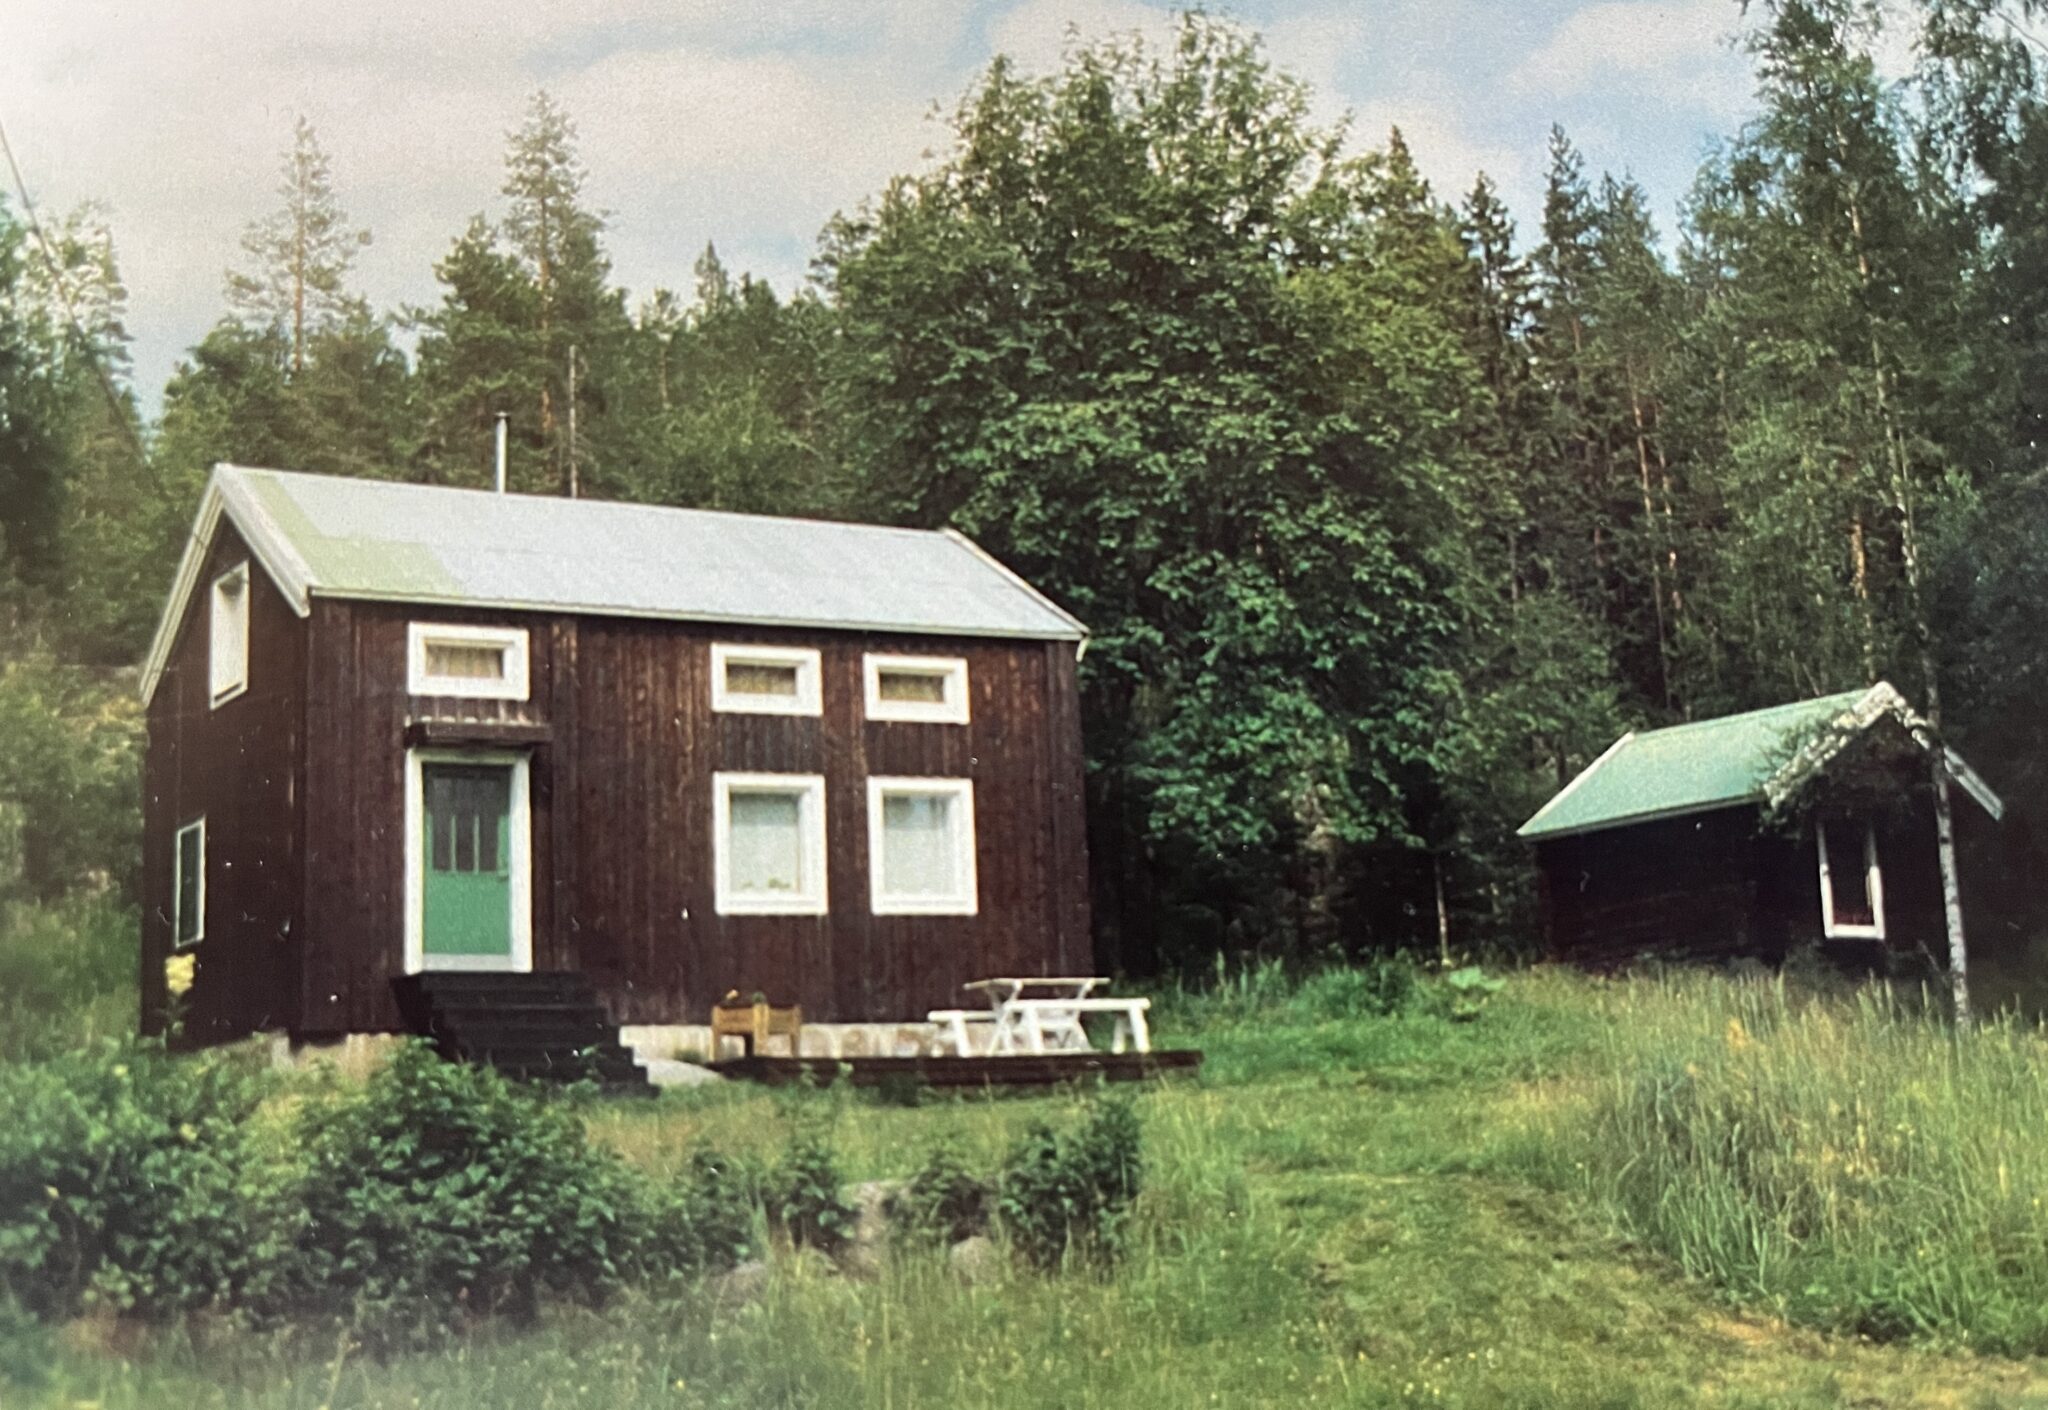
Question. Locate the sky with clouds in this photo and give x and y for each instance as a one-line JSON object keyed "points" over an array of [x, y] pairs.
{"points": [[744, 122]]}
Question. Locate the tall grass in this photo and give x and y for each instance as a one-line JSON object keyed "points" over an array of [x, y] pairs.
{"points": [[1851, 1161], [67, 975]]}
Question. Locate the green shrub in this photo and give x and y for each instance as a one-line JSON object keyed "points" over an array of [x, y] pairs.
{"points": [[943, 1202], [805, 1202], [438, 1193], [1377, 988], [706, 1221], [1465, 992], [129, 1179], [1062, 1195]]}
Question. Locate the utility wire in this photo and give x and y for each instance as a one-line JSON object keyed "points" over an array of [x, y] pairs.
{"points": [[115, 404]]}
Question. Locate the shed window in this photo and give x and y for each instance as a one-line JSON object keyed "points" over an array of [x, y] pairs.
{"points": [[921, 846], [188, 885], [765, 680], [769, 843], [478, 663], [927, 688], [227, 644], [1851, 885]]}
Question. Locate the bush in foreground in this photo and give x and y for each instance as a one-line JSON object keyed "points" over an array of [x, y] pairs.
{"points": [[1070, 1194], [133, 1181], [439, 1193]]}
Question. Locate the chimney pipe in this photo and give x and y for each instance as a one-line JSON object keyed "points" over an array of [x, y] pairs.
{"points": [[501, 453]]}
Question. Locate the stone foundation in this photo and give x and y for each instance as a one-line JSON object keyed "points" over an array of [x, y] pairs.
{"points": [[692, 1041], [354, 1055], [357, 1055]]}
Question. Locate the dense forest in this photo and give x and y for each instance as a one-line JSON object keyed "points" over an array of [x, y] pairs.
{"points": [[1386, 514]]}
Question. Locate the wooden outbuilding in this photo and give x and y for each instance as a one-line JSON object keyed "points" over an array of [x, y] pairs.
{"points": [[1753, 834], [657, 754]]}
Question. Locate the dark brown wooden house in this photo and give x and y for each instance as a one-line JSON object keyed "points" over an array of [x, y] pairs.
{"points": [[399, 730], [1809, 823]]}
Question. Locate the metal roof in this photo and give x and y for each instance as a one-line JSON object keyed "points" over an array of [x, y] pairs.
{"points": [[1720, 763], [339, 537]]}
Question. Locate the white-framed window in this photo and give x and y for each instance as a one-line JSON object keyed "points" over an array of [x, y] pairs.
{"points": [[766, 680], [477, 663], [928, 688], [768, 843], [1851, 884], [921, 846], [227, 638], [188, 885]]}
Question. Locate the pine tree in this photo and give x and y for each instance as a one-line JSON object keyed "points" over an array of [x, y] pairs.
{"points": [[300, 255], [481, 354], [558, 243]]}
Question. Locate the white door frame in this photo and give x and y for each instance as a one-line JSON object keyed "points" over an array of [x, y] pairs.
{"points": [[520, 960]]}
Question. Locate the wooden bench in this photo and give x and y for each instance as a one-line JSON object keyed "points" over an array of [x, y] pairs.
{"points": [[753, 1024]]}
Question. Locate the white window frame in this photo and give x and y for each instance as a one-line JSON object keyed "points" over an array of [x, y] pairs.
{"points": [[227, 673], [1873, 880], [810, 695], [810, 791], [952, 710], [511, 640], [197, 825], [520, 958], [964, 902]]}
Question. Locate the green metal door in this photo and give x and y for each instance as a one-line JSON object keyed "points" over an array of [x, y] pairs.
{"points": [[467, 890]]}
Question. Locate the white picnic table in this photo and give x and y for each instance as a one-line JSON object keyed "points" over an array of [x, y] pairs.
{"points": [[1043, 1014]]}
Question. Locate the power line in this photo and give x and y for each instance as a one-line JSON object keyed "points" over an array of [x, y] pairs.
{"points": [[115, 405]]}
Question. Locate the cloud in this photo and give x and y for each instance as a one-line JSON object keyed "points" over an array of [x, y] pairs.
{"points": [[1038, 33], [739, 121], [1672, 51], [744, 123]]}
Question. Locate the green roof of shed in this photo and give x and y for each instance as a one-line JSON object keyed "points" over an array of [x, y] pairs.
{"points": [[1688, 768]]}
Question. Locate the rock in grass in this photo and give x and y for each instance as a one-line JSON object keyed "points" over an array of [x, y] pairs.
{"points": [[975, 1260], [669, 1072], [867, 1243], [741, 1284]]}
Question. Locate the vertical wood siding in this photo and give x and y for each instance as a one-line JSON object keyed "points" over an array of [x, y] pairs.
{"points": [[622, 818], [240, 767], [1719, 885]]}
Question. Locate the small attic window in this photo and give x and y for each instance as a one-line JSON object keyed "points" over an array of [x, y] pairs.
{"points": [[468, 662], [765, 680], [927, 688], [1851, 885], [227, 641]]}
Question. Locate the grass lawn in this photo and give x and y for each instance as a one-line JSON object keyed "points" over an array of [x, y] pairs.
{"points": [[1344, 1212]]}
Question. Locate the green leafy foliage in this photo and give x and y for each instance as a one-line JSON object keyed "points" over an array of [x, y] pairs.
{"points": [[439, 1193], [1068, 1195], [804, 1196], [707, 1219], [70, 779], [1468, 989], [943, 1202], [1148, 338], [137, 1182]]}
